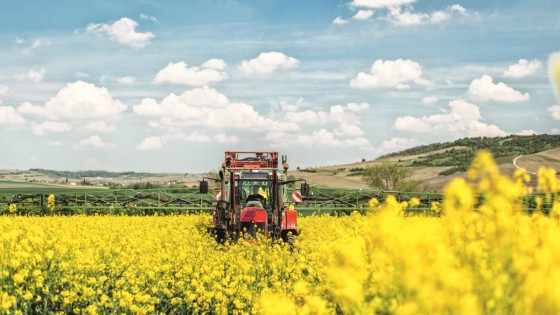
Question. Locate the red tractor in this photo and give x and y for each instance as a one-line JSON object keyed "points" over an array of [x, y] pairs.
{"points": [[251, 199]]}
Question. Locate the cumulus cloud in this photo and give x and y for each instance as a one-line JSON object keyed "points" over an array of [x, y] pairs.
{"points": [[522, 68], [407, 16], [457, 8], [398, 144], [348, 130], [101, 126], [32, 75], [206, 107], [94, 142], [463, 119], [397, 74], [149, 143], [343, 118], [157, 142], [269, 62], [362, 15], [126, 80], [338, 114], [318, 138], [49, 127], [27, 108], [426, 100], [81, 100], [123, 31], [28, 46], [380, 3], [10, 117], [214, 64], [148, 17], [484, 89], [180, 73], [339, 21], [555, 111]]}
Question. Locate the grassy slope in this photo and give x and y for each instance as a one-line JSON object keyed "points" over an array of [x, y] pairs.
{"points": [[428, 162]]}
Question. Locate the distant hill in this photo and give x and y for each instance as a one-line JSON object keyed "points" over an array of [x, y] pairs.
{"points": [[458, 155], [436, 164], [82, 174]]}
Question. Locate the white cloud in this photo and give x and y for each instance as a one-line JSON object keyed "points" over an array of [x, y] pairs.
{"points": [[180, 73], [223, 138], [81, 100], [207, 107], [398, 144], [269, 62], [32, 75], [357, 107], [464, 119], [10, 117], [49, 127], [555, 111], [94, 142], [126, 80], [3, 89], [336, 114], [484, 89], [426, 100], [522, 68], [157, 142], [30, 109], [148, 17], [380, 3], [214, 64], [149, 143], [458, 8], [555, 131], [439, 17], [397, 16], [318, 138], [407, 16], [348, 130], [28, 47], [124, 32], [362, 15], [339, 21], [409, 123], [398, 74], [101, 126]]}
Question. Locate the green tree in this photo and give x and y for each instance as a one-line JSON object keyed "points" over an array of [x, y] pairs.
{"points": [[390, 176]]}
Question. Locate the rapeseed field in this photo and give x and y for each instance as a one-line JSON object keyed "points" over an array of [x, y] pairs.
{"points": [[482, 254]]}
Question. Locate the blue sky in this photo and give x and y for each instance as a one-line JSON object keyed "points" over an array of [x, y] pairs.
{"points": [[167, 86]]}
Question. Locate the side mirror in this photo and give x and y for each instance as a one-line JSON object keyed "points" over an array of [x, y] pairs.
{"points": [[203, 187], [304, 189]]}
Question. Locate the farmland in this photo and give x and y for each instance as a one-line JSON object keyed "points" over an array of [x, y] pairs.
{"points": [[471, 256]]}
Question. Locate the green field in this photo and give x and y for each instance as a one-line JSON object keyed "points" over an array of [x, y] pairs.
{"points": [[9, 187]]}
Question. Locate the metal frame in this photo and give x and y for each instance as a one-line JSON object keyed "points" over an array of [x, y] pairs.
{"points": [[320, 201]]}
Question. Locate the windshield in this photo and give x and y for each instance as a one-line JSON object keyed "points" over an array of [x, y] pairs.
{"points": [[247, 188]]}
